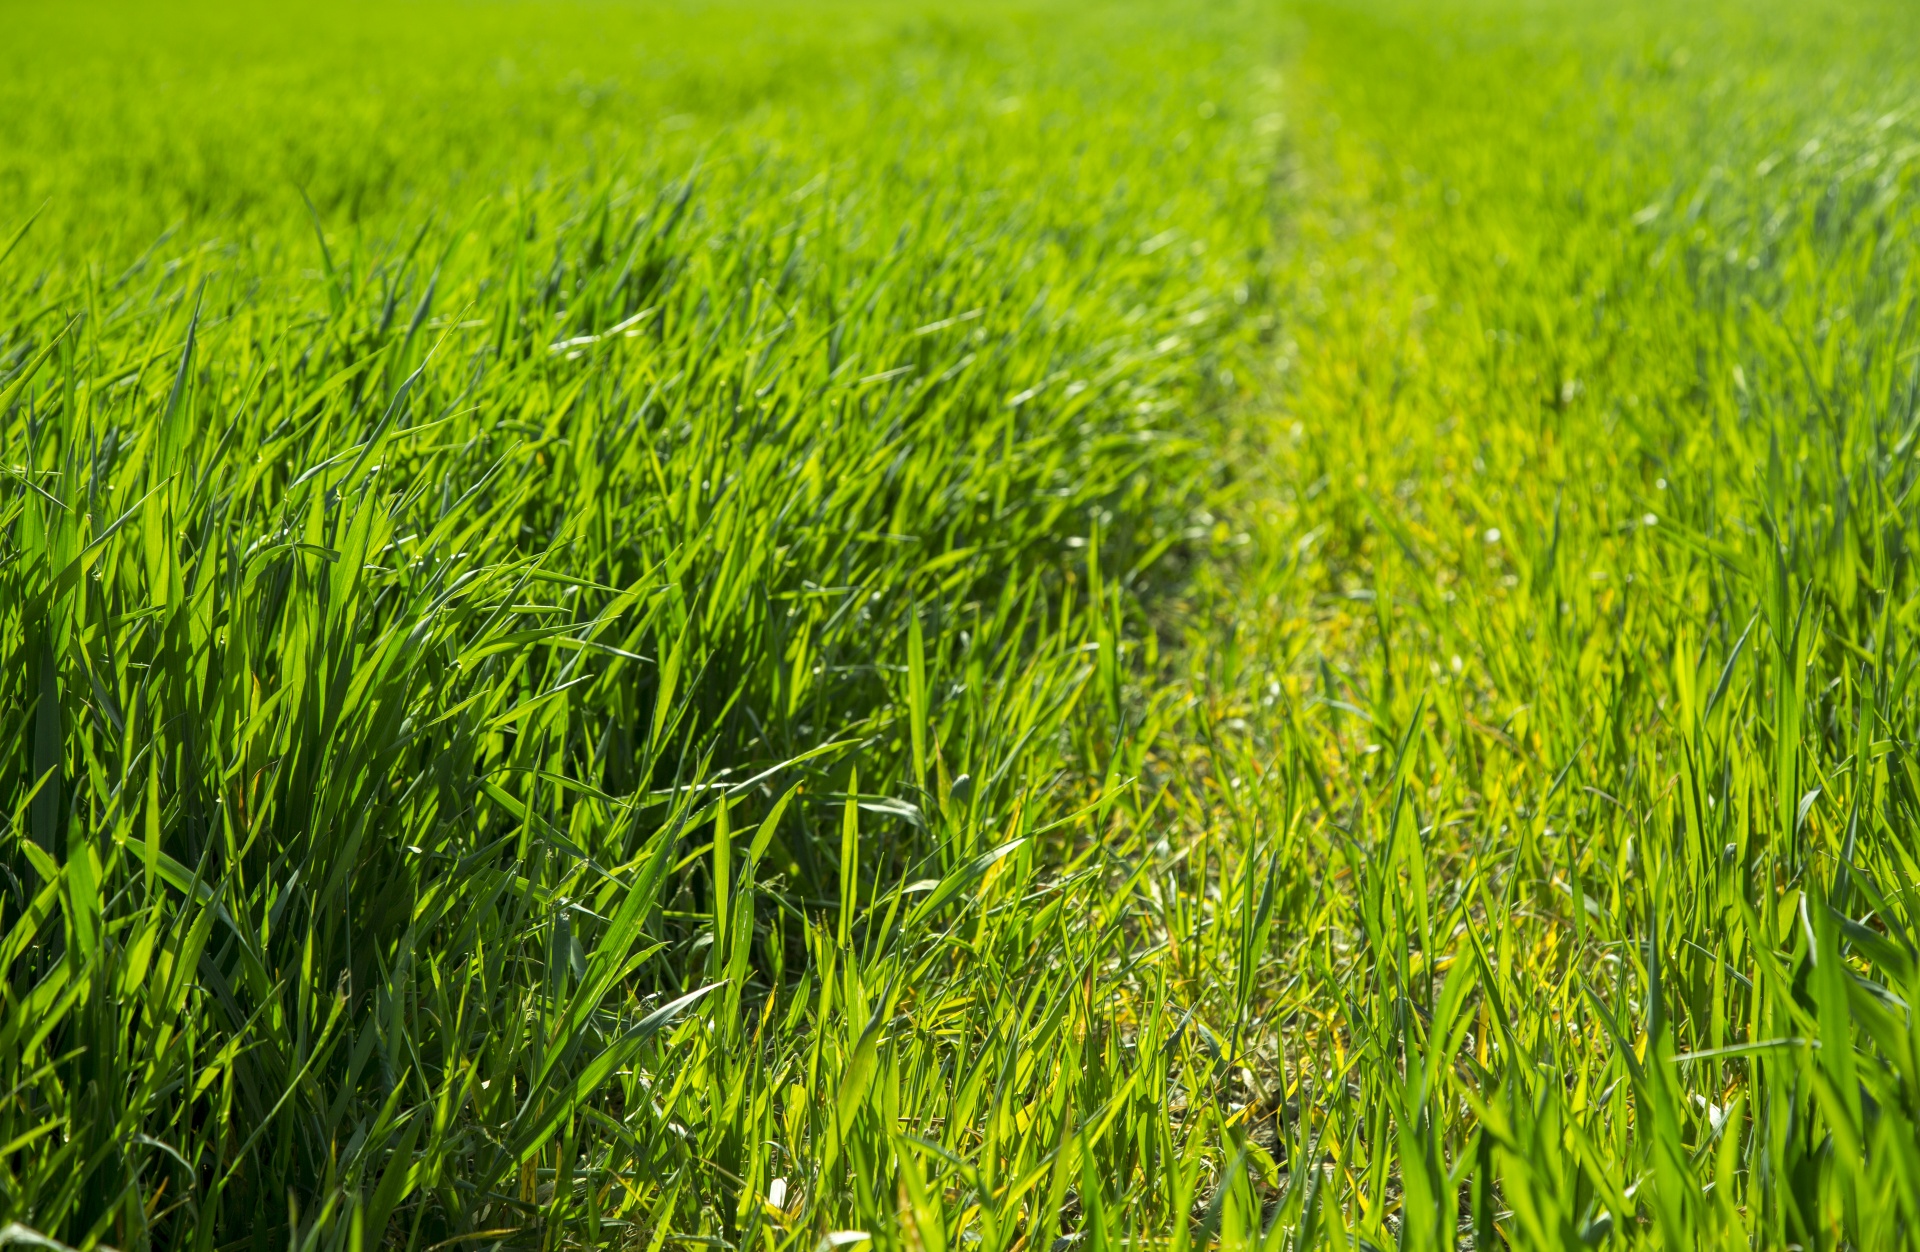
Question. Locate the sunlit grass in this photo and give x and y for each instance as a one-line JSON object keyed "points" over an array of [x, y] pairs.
{"points": [[785, 626], [1562, 692]]}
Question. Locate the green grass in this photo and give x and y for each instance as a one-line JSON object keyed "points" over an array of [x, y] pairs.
{"points": [[773, 625], [631, 534]]}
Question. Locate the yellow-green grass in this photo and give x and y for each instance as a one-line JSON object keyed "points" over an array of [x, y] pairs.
{"points": [[1561, 693]]}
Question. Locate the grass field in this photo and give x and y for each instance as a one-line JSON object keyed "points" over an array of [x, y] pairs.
{"points": [[786, 625]]}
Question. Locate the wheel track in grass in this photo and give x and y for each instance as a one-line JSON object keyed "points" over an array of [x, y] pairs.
{"points": [[1579, 307]]}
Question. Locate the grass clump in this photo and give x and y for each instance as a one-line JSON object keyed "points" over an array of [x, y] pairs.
{"points": [[541, 618]]}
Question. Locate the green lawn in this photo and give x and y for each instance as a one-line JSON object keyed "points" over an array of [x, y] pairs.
{"points": [[773, 625]]}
